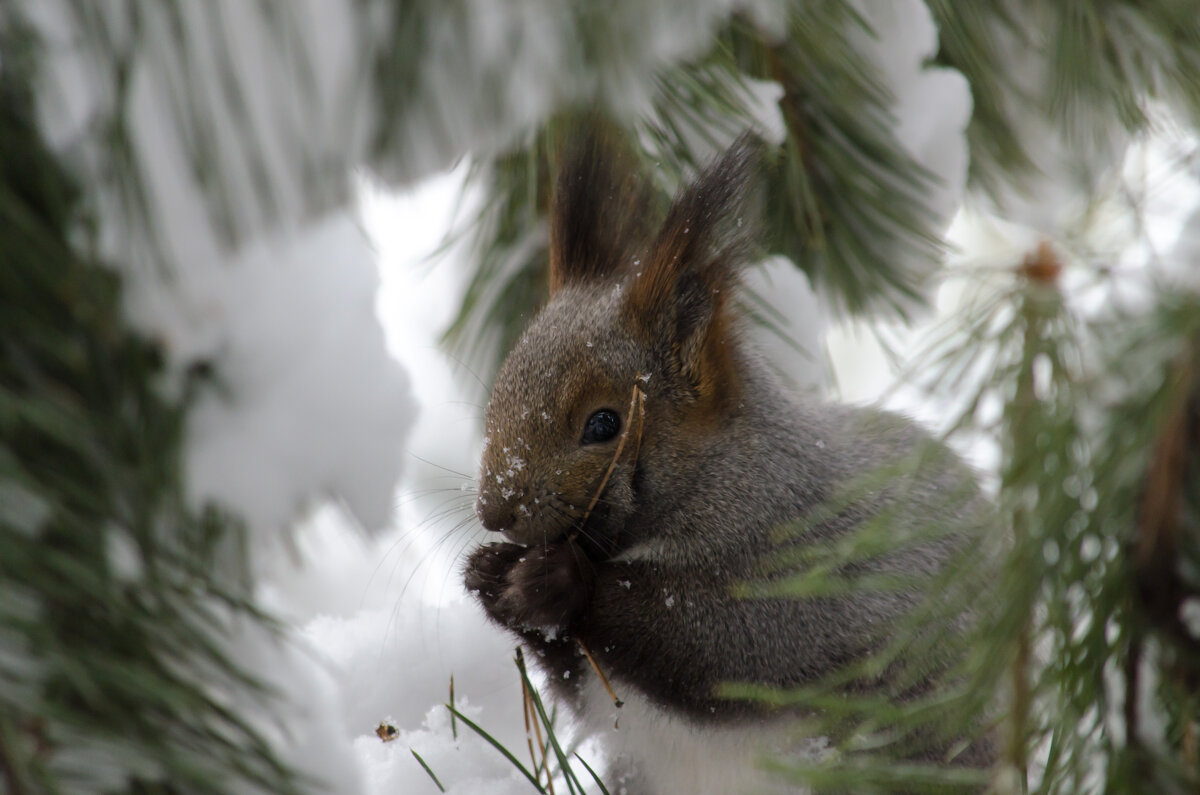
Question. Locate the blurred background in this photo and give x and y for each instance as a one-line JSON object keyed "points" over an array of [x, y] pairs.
{"points": [[261, 261]]}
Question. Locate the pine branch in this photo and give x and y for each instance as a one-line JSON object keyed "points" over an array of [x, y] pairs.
{"points": [[108, 583], [842, 198], [1085, 72], [1040, 272], [1162, 510]]}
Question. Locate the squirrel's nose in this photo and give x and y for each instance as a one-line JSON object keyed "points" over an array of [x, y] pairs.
{"points": [[496, 515]]}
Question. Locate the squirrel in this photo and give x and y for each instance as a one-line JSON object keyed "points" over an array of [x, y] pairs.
{"points": [[642, 463]]}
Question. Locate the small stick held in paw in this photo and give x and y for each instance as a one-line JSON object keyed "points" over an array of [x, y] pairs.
{"points": [[638, 402], [603, 679]]}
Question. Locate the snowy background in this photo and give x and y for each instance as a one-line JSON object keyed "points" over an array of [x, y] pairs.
{"points": [[388, 617], [344, 435]]}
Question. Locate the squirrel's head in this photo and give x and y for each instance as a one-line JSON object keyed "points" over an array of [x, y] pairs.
{"points": [[633, 355]]}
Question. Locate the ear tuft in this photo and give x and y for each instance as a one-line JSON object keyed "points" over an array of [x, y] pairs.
{"points": [[682, 292], [705, 237], [599, 210]]}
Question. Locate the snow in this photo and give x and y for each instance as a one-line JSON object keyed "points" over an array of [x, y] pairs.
{"points": [[243, 265], [303, 722], [313, 405], [1160, 191], [489, 70], [384, 619], [252, 268], [931, 105], [259, 269], [260, 273], [780, 293], [468, 766]]}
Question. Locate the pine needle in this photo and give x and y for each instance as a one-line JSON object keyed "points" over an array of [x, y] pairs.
{"points": [[636, 402], [528, 709], [427, 768], [492, 741], [453, 720], [542, 744], [603, 679], [564, 764], [595, 777], [525, 709], [637, 407]]}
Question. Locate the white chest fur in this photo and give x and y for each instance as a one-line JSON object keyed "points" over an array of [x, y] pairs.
{"points": [[654, 752]]}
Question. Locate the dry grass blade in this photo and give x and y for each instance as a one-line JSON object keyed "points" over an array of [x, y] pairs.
{"points": [[603, 679], [637, 407], [541, 743], [530, 715], [540, 716], [637, 403], [528, 733]]}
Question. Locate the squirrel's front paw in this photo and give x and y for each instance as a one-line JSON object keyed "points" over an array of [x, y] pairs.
{"points": [[524, 587], [486, 572]]}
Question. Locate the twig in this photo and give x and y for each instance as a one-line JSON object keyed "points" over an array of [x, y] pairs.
{"points": [[1160, 508], [637, 401], [637, 405], [603, 679], [1040, 267]]}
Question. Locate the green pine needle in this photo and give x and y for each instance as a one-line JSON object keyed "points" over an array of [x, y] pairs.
{"points": [[427, 768]]}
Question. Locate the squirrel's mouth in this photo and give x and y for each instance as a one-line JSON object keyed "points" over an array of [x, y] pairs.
{"points": [[603, 532], [543, 518], [529, 534], [595, 536], [528, 537]]}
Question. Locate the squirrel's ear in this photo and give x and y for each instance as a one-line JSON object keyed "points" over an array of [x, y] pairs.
{"points": [[679, 298], [598, 211]]}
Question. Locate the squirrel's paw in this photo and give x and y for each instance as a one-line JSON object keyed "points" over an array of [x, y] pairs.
{"points": [[526, 587], [486, 572]]}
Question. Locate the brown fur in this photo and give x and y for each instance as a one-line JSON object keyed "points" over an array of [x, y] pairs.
{"points": [[588, 241], [682, 293]]}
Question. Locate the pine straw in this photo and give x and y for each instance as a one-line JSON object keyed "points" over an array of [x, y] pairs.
{"points": [[528, 708], [636, 402], [637, 407]]}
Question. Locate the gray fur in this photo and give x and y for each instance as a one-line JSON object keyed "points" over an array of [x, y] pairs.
{"points": [[647, 582]]}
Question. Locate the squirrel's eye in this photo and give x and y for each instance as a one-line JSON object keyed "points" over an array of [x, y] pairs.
{"points": [[601, 426]]}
